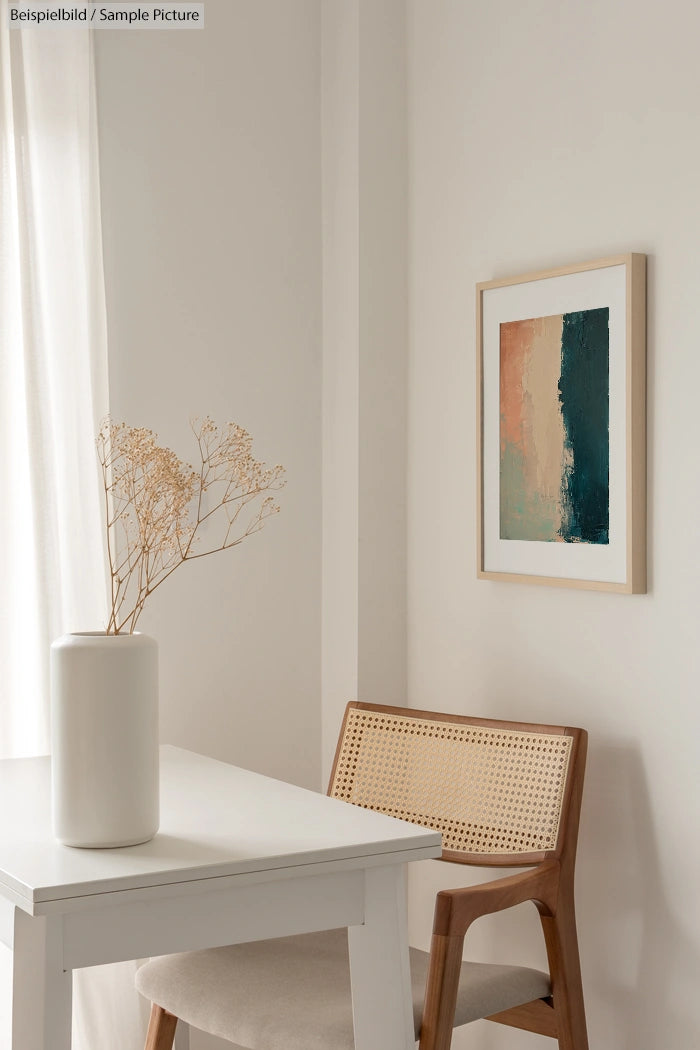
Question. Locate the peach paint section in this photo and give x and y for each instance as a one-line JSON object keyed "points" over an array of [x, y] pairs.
{"points": [[532, 429], [515, 351]]}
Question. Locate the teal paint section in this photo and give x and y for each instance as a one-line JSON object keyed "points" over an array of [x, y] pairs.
{"points": [[584, 393]]}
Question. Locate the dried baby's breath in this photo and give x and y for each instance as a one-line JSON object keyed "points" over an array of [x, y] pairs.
{"points": [[161, 512]]}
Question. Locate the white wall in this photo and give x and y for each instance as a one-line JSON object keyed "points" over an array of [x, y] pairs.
{"points": [[210, 151], [542, 134], [364, 155]]}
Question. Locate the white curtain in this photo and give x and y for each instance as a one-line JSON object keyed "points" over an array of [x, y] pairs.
{"points": [[53, 392], [53, 367]]}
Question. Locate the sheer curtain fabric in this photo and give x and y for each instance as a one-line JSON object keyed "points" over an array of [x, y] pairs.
{"points": [[53, 392]]}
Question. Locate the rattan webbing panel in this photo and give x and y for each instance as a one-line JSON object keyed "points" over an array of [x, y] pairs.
{"points": [[489, 791]]}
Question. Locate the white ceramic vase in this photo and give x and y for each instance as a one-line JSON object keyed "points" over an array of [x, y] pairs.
{"points": [[104, 733]]}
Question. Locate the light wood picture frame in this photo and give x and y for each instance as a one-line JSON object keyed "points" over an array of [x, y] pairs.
{"points": [[561, 433]]}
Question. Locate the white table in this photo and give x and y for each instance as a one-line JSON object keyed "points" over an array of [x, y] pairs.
{"points": [[238, 857]]}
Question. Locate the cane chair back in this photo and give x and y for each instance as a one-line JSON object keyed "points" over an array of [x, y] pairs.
{"points": [[500, 792]]}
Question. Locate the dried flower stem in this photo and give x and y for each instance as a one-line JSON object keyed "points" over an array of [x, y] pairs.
{"points": [[158, 509]]}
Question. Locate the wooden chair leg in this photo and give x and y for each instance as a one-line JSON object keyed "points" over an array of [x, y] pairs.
{"points": [[565, 970], [161, 1029], [441, 992]]}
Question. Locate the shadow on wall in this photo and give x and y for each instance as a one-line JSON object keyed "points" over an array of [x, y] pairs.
{"points": [[639, 967]]}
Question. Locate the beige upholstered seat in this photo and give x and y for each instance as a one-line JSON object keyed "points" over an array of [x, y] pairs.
{"points": [[276, 981], [502, 794]]}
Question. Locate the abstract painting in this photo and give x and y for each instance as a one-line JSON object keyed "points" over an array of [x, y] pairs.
{"points": [[561, 431], [554, 394]]}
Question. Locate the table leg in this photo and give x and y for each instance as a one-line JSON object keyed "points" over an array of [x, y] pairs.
{"points": [[379, 965], [42, 989]]}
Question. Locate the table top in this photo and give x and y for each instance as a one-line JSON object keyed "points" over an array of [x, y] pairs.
{"points": [[216, 820]]}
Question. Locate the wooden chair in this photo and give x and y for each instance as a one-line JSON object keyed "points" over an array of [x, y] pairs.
{"points": [[501, 793]]}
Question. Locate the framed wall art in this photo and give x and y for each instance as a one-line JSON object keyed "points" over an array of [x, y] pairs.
{"points": [[561, 426]]}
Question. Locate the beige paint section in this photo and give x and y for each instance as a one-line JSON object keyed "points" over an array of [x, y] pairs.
{"points": [[548, 458]]}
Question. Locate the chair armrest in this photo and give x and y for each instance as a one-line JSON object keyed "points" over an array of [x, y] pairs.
{"points": [[455, 910]]}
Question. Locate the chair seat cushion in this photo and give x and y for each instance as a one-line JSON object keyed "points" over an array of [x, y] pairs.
{"points": [[293, 993]]}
